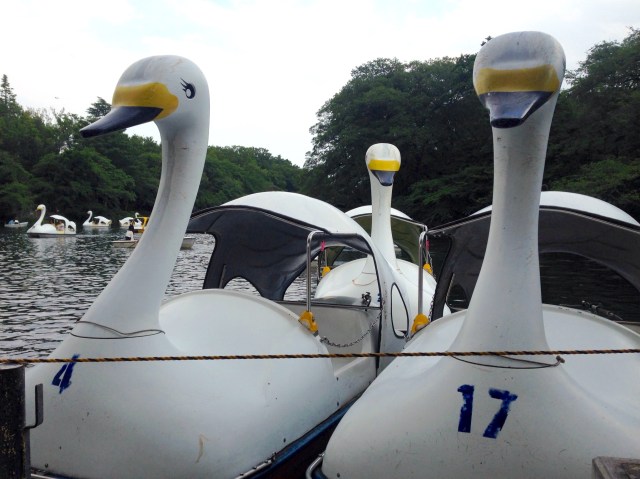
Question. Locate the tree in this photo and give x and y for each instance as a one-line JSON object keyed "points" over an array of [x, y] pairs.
{"points": [[616, 179], [98, 109], [99, 186], [8, 104], [594, 143], [231, 172], [429, 110], [15, 197]]}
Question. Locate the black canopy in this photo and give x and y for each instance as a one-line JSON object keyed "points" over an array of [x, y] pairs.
{"points": [[611, 243], [264, 247]]}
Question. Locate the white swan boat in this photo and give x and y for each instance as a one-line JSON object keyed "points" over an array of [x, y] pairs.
{"points": [[58, 225], [355, 277], [96, 221], [497, 415], [15, 224], [139, 222], [125, 222], [202, 419]]}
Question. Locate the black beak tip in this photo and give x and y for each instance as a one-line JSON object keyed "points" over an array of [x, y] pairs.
{"points": [[506, 122], [120, 118], [89, 132]]}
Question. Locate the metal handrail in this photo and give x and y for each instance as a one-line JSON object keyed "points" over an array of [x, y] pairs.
{"points": [[313, 466], [422, 241]]}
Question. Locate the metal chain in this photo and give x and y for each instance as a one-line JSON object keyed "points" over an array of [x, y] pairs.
{"points": [[326, 340]]}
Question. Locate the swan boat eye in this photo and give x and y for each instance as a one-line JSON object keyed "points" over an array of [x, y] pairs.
{"points": [[188, 88]]}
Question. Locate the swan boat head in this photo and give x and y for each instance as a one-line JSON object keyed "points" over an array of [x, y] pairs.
{"points": [[43, 211], [517, 78], [383, 161], [172, 92], [448, 424], [404, 230]]}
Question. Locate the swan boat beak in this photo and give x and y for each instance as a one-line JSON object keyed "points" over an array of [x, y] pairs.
{"points": [[134, 105], [512, 95], [383, 161]]}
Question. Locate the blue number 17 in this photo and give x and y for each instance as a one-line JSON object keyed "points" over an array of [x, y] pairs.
{"points": [[496, 424]]}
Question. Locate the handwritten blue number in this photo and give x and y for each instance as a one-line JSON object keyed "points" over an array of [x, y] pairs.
{"points": [[63, 377], [467, 406], [496, 424]]}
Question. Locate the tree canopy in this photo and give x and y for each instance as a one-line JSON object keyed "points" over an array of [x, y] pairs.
{"points": [[428, 109], [43, 159]]}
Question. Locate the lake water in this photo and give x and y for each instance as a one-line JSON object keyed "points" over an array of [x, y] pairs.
{"points": [[46, 284]]}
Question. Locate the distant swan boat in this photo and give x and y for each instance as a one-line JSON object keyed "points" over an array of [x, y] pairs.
{"points": [[96, 221], [59, 226], [15, 224]]}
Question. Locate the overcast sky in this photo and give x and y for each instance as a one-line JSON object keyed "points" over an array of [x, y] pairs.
{"points": [[271, 64]]}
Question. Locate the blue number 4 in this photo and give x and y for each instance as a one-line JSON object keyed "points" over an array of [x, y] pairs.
{"points": [[63, 377], [496, 424]]}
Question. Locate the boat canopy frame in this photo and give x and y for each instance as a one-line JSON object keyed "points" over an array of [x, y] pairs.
{"points": [[268, 249]]}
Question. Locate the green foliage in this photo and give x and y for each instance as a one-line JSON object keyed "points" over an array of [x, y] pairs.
{"points": [[231, 172], [451, 196], [428, 109], [8, 104], [616, 179], [594, 147], [43, 159], [97, 110], [101, 187], [15, 196]]}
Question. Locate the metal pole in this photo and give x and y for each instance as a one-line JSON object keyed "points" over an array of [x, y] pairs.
{"points": [[309, 240], [14, 461], [422, 242]]}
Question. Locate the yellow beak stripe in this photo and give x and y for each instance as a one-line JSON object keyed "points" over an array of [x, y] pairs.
{"points": [[542, 78], [384, 165], [155, 95]]}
